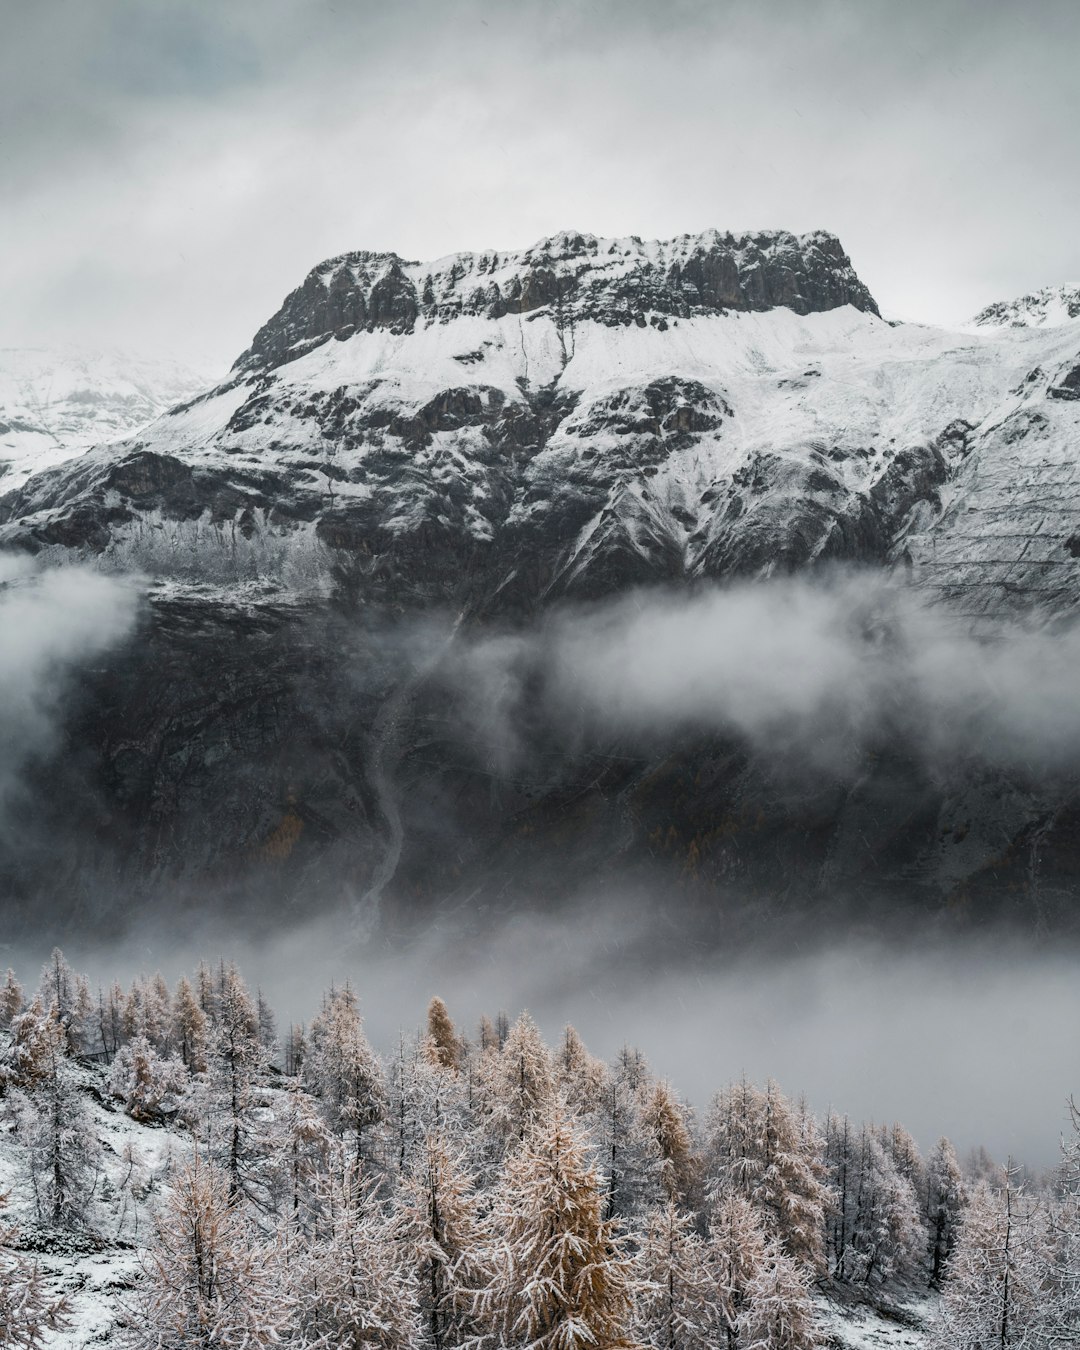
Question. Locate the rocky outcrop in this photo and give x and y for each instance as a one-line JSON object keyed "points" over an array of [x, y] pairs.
{"points": [[578, 276]]}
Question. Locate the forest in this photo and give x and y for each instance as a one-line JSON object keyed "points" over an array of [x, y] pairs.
{"points": [[474, 1191]]}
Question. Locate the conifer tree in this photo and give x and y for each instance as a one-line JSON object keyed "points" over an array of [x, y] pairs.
{"points": [[663, 1122], [994, 1290], [353, 1282], [944, 1207], [190, 1028], [441, 1226], [146, 1083], [12, 1000], [342, 1070], [53, 1125], [677, 1305], [27, 1312], [519, 1081], [560, 1276], [764, 1298], [443, 1046], [209, 1282], [759, 1149], [581, 1078]]}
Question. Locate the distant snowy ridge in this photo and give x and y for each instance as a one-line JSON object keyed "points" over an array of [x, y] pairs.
{"points": [[56, 402], [1048, 308]]}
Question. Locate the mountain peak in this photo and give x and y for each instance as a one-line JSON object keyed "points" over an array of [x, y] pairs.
{"points": [[1047, 308], [613, 281]]}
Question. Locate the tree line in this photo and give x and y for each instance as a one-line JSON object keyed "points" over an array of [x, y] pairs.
{"points": [[485, 1191]]}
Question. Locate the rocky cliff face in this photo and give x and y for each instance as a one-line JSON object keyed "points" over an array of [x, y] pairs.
{"points": [[477, 440]]}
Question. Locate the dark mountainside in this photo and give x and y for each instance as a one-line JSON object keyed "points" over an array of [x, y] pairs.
{"points": [[409, 456]]}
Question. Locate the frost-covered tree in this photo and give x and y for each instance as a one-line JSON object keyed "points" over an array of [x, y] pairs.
{"points": [[441, 1228], [994, 1289], [758, 1147], [886, 1234], [352, 1277], [443, 1045], [190, 1027], [559, 1274], [342, 1069], [663, 1123], [209, 1280], [67, 998], [944, 1190], [148, 1085], [12, 1000], [677, 1305], [581, 1078], [763, 1294], [28, 1313], [61, 1149], [304, 1147], [229, 1095], [519, 1081]]}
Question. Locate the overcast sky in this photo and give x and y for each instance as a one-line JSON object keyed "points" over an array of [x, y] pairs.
{"points": [[171, 168]]}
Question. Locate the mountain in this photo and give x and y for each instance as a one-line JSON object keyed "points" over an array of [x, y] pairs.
{"points": [[471, 442], [1048, 308], [56, 402]]}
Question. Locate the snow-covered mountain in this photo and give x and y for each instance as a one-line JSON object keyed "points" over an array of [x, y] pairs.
{"points": [[490, 433], [1047, 308], [56, 402]]}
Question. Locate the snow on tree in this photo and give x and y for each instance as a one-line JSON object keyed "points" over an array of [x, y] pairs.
{"points": [[352, 1276], [66, 997], [443, 1045], [994, 1289], [758, 1148], [230, 1094], [190, 1027], [441, 1228], [762, 1292], [663, 1123], [677, 1305], [944, 1190], [581, 1078], [52, 1123], [559, 1274], [886, 1234], [304, 1147], [421, 1096], [519, 1081], [12, 1000], [267, 1024], [148, 1085], [27, 1312], [629, 1155], [209, 1280], [343, 1071]]}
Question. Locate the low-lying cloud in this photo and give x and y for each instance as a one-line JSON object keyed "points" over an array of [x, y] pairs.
{"points": [[808, 671]]}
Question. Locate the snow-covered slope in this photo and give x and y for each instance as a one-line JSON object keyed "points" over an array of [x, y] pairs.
{"points": [[1047, 308], [56, 402], [594, 413]]}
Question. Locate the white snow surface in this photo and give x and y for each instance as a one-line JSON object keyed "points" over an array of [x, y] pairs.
{"points": [[56, 402], [1048, 308]]}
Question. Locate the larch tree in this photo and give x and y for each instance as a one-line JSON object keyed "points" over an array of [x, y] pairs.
{"points": [[442, 1046], [343, 1071], [149, 1085], [237, 1065], [677, 1305], [28, 1312], [12, 1000], [209, 1280], [993, 1294], [519, 1081], [763, 1294], [663, 1123], [758, 1148], [945, 1191], [52, 1122], [353, 1281], [560, 1276], [190, 1027], [441, 1227], [581, 1078], [886, 1235]]}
